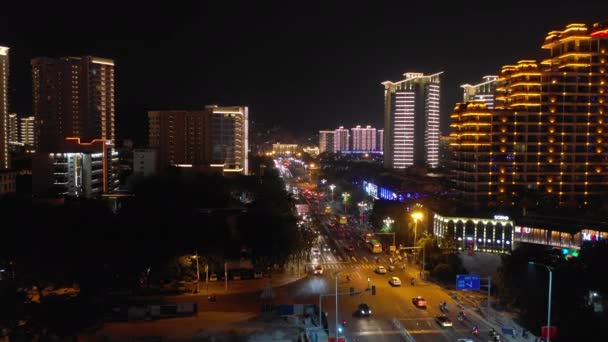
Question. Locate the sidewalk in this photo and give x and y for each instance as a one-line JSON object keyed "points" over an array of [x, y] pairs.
{"points": [[276, 279]]}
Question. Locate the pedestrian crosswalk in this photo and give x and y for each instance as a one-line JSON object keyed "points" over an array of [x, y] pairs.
{"points": [[352, 265]]}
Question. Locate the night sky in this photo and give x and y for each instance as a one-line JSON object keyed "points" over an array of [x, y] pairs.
{"points": [[302, 65]]}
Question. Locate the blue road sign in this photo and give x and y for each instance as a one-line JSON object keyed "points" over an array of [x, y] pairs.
{"points": [[467, 282]]}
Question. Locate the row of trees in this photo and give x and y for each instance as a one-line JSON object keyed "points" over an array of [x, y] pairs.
{"points": [[82, 242]]}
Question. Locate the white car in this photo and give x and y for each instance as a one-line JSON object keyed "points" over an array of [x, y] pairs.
{"points": [[395, 281], [213, 277], [315, 252], [380, 270]]}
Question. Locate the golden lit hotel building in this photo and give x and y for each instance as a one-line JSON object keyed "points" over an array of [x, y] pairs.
{"points": [[547, 131], [471, 141]]}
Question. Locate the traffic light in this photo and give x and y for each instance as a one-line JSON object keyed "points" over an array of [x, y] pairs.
{"points": [[352, 291], [373, 290]]}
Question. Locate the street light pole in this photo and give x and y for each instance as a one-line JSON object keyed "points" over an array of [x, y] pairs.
{"points": [[550, 270], [337, 306], [198, 274], [417, 216]]}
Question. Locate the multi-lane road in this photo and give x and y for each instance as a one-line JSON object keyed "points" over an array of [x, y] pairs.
{"points": [[391, 306]]}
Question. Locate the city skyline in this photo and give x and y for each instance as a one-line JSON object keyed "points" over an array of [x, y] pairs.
{"points": [[300, 56]]}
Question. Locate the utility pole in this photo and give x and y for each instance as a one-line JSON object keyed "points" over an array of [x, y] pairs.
{"points": [[337, 273], [207, 277], [489, 285], [226, 275], [550, 270]]}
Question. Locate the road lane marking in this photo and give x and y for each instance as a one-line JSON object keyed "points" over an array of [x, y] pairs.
{"points": [[396, 332], [376, 332]]}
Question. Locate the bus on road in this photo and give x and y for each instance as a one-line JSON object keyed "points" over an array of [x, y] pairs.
{"points": [[374, 246]]}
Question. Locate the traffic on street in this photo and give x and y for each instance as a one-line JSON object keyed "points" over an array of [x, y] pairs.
{"points": [[381, 296]]}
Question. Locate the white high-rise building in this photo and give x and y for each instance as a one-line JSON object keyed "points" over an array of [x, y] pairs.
{"points": [[483, 91], [364, 138], [411, 121], [341, 139], [4, 126]]}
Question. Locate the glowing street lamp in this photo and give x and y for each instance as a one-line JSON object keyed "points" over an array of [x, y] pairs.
{"points": [[417, 216], [198, 277], [332, 187]]}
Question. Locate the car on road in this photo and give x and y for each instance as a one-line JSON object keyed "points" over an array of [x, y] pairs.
{"points": [[443, 321], [257, 274], [380, 270], [395, 281], [213, 277], [419, 302], [391, 268], [315, 252], [363, 310], [326, 248], [464, 340], [318, 270]]}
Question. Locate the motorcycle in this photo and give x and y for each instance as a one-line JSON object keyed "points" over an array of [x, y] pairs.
{"points": [[475, 332]]}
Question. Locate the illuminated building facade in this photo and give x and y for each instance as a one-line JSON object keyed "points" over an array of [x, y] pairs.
{"points": [[214, 137], [27, 131], [341, 139], [547, 133], [13, 129], [477, 234], [229, 134], [4, 72], [364, 138], [326, 141], [471, 143], [411, 121], [574, 106], [285, 149], [484, 91], [79, 169], [72, 97]]}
